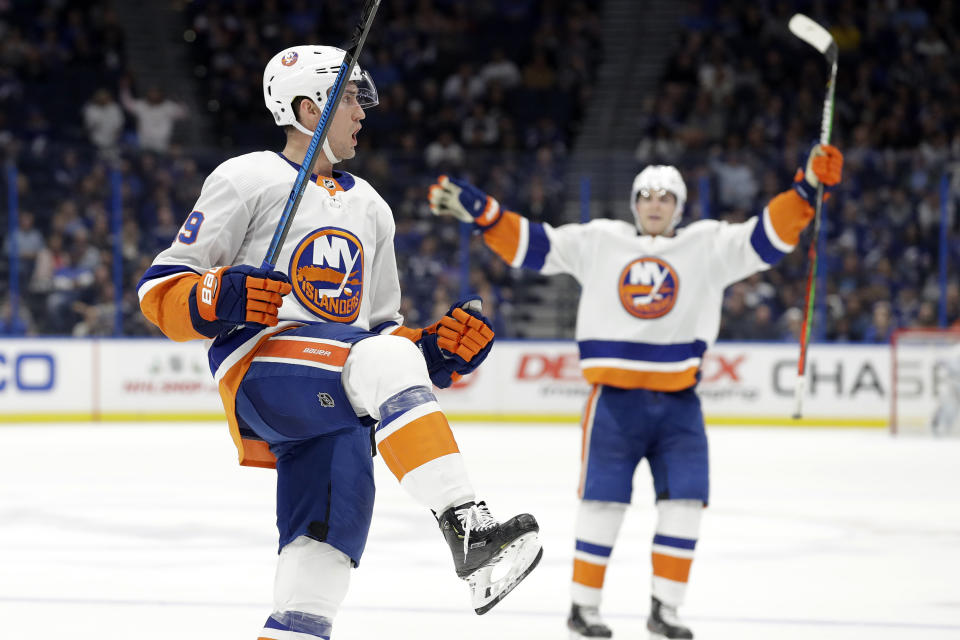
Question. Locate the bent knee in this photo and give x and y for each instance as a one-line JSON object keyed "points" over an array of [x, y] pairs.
{"points": [[380, 367]]}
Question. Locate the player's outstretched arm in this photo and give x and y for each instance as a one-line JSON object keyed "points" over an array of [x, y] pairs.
{"points": [[792, 210], [502, 230], [205, 306], [454, 345]]}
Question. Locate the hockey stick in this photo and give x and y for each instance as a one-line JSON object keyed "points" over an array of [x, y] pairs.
{"points": [[821, 40], [320, 133]]}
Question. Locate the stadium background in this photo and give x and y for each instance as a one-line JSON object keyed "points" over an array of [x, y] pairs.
{"points": [[552, 106]]}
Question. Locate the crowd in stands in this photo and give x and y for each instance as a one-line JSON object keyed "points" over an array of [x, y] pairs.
{"points": [[741, 100], [496, 91]]}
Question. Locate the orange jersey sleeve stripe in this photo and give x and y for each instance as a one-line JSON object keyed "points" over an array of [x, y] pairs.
{"points": [[671, 567], [323, 353], [417, 443], [413, 335], [653, 380], [167, 306], [588, 574], [789, 214], [504, 237]]}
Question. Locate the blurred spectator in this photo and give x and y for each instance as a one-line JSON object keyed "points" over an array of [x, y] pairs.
{"points": [[444, 153], [156, 116], [103, 120]]}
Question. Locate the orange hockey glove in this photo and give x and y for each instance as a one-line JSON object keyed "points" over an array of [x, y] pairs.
{"points": [[824, 164], [229, 297]]}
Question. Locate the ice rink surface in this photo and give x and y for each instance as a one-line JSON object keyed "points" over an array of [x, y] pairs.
{"points": [[152, 532]]}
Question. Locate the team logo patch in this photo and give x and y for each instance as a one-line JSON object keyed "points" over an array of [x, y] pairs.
{"points": [[327, 274], [289, 58], [648, 288]]}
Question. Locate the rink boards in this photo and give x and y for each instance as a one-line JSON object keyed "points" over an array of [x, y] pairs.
{"points": [[742, 383]]}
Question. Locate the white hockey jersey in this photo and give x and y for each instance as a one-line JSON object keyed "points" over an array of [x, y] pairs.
{"points": [[339, 252], [650, 306]]}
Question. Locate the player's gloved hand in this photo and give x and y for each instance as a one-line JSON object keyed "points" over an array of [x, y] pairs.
{"points": [[228, 297], [456, 344], [824, 165], [463, 201]]}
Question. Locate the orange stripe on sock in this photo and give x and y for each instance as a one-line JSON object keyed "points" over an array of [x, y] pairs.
{"points": [[417, 443], [588, 574], [504, 237], [671, 567], [305, 350]]}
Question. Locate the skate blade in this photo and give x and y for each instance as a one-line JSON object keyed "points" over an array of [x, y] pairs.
{"points": [[576, 635], [520, 557]]}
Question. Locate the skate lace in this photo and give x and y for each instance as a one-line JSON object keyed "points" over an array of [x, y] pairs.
{"points": [[474, 518], [669, 615], [591, 616]]}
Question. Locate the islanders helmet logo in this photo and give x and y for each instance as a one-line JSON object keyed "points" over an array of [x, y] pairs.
{"points": [[289, 58], [648, 288], [326, 270]]}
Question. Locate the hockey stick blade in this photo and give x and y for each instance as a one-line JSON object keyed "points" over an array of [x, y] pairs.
{"points": [[350, 58], [813, 34]]}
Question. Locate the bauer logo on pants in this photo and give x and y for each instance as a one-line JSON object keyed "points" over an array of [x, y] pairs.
{"points": [[327, 274], [648, 288]]}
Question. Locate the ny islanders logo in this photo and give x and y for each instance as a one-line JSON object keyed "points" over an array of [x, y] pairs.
{"points": [[648, 288], [327, 274], [289, 58]]}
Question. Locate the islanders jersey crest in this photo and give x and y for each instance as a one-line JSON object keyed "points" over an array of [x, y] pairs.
{"points": [[326, 271], [648, 288]]}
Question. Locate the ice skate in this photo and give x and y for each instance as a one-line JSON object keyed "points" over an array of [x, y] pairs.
{"points": [[663, 623], [492, 557], [585, 622]]}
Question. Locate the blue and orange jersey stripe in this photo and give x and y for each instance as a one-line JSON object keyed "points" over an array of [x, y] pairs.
{"points": [[638, 365]]}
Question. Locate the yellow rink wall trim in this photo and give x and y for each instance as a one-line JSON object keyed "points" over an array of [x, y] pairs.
{"points": [[721, 420]]}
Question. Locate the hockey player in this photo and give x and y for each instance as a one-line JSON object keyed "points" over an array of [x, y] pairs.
{"points": [[649, 308], [946, 418], [314, 366]]}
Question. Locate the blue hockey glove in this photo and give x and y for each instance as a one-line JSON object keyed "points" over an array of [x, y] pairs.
{"points": [[229, 297], [463, 201], [456, 344]]}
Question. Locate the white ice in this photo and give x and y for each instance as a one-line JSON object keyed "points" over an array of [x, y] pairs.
{"points": [[151, 532]]}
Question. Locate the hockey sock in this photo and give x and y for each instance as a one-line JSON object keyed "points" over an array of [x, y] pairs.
{"points": [[418, 446], [311, 582], [296, 625], [598, 524], [678, 526]]}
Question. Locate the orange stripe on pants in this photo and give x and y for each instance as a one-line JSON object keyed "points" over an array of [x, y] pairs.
{"points": [[584, 427], [417, 443], [328, 354], [588, 574], [671, 567]]}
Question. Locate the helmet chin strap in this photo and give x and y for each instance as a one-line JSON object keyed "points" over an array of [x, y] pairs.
{"points": [[327, 149]]}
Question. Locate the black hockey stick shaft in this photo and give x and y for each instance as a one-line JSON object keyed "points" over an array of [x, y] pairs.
{"points": [[818, 37]]}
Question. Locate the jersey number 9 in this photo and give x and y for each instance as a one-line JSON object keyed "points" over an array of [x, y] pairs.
{"points": [[191, 228]]}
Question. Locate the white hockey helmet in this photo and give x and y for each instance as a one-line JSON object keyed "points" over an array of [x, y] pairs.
{"points": [[309, 71], [659, 177]]}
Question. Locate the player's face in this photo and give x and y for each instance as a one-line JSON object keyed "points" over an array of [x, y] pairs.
{"points": [[346, 124], [655, 210]]}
